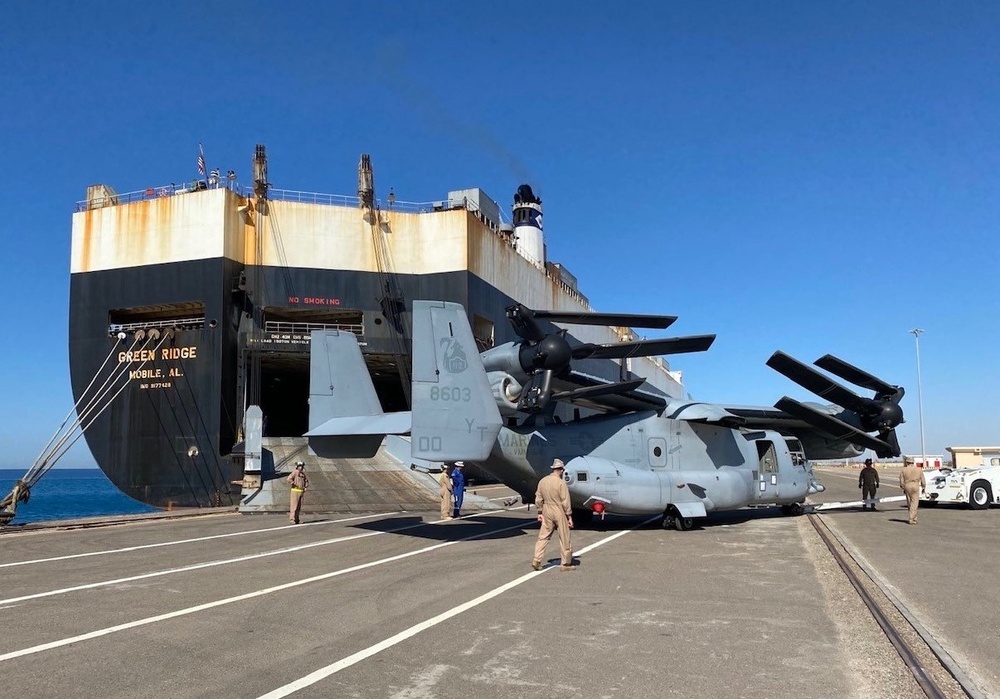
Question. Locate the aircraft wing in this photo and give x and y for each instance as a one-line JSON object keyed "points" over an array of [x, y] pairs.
{"points": [[764, 418], [826, 435], [606, 396]]}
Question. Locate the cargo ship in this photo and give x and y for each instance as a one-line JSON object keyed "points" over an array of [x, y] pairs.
{"points": [[192, 302]]}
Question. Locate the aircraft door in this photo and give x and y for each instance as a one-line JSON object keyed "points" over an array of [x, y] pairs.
{"points": [[767, 470], [656, 452]]}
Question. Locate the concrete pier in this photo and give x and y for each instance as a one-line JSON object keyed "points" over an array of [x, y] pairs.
{"points": [[398, 604]]}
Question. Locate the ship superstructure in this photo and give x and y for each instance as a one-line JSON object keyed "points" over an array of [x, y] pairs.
{"points": [[204, 297]]}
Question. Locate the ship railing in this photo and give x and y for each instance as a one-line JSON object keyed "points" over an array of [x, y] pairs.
{"points": [[178, 323], [166, 190], [346, 200], [289, 328], [290, 195]]}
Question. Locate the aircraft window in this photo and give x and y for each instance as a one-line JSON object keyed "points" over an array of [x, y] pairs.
{"points": [[994, 462], [657, 452], [766, 456], [581, 476]]}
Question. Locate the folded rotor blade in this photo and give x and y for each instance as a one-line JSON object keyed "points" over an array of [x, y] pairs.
{"points": [[820, 384], [858, 377], [838, 429], [618, 320], [522, 319], [595, 391], [644, 348], [890, 439]]}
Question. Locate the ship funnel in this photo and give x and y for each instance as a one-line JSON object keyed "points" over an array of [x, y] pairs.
{"points": [[527, 213]]}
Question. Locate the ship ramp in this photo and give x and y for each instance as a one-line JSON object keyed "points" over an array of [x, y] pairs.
{"points": [[385, 482]]}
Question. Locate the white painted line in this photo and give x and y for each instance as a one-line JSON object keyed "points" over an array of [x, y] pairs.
{"points": [[212, 564], [314, 677], [191, 541], [249, 595]]}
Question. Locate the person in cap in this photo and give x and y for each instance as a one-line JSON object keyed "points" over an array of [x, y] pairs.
{"points": [[458, 487], [555, 514], [868, 482], [446, 498], [299, 483], [911, 480]]}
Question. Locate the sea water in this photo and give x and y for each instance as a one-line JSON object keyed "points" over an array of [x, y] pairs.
{"points": [[70, 493]]}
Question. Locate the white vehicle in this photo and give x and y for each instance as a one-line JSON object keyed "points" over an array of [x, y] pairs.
{"points": [[978, 487]]}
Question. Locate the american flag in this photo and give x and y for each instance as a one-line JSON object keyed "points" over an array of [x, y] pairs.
{"points": [[201, 160]]}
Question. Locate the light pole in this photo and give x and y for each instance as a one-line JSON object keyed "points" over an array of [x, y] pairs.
{"points": [[920, 398]]}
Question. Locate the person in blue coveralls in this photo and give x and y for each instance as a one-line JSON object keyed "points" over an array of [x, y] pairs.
{"points": [[458, 487]]}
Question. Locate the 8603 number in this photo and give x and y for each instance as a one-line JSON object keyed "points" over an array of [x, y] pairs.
{"points": [[454, 394]]}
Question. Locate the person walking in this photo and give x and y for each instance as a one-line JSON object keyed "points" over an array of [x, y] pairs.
{"points": [[446, 498], [458, 487], [911, 480], [300, 484], [868, 482], [556, 514]]}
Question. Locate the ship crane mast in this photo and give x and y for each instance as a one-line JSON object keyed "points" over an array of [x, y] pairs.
{"points": [[391, 300], [260, 187]]}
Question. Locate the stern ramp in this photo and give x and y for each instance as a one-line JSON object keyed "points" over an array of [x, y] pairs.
{"points": [[383, 483]]}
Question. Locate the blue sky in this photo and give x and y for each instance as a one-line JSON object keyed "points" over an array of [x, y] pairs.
{"points": [[809, 177]]}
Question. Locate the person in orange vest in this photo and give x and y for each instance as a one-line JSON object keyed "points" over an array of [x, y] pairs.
{"points": [[555, 514], [300, 484], [911, 480]]}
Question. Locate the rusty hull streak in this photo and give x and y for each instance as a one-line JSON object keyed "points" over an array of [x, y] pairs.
{"points": [[86, 239]]}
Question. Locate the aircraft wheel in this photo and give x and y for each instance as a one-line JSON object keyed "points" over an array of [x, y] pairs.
{"points": [[980, 495], [668, 521], [683, 524], [792, 510]]}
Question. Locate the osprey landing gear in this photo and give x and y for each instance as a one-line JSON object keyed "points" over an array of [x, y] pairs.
{"points": [[792, 509], [672, 519]]}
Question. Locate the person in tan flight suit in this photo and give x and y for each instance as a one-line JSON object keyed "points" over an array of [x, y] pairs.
{"points": [[446, 502], [555, 513], [911, 480], [300, 484]]}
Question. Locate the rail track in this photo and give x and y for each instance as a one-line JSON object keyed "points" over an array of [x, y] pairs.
{"points": [[933, 669]]}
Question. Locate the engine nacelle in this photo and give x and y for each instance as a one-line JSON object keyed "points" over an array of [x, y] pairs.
{"points": [[505, 359], [506, 391]]}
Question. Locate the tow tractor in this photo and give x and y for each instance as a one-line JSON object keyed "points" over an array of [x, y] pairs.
{"points": [[977, 487]]}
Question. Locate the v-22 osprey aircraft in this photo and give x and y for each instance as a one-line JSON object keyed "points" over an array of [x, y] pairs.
{"points": [[639, 452]]}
